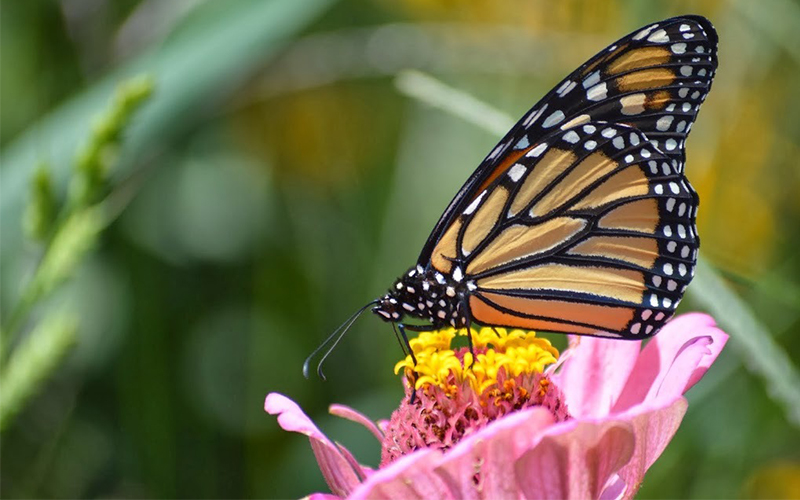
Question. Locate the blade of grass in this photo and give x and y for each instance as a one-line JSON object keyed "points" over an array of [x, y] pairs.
{"points": [[431, 91], [757, 349], [752, 340]]}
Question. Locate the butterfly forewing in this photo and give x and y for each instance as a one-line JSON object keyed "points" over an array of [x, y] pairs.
{"points": [[654, 80]]}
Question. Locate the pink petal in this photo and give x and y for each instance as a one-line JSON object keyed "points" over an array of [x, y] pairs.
{"points": [[653, 427], [594, 374], [575, 459], [673, 361], [359, 418], [409, 477], [487, 455], [615, 489], [362, 471], [338, 472], [321, 496]]}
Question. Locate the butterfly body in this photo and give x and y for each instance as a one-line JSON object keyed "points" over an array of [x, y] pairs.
{"points": [[581, 219], [426, 294]]}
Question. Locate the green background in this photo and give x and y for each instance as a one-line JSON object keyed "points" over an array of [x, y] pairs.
{"points": [[279, 180]]}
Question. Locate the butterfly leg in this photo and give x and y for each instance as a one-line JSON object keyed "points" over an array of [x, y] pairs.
{"points": [[404, 343], [468, 322], [414, 328]]}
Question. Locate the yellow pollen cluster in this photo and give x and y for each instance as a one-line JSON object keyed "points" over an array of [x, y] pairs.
{"points": [[513, 353]]}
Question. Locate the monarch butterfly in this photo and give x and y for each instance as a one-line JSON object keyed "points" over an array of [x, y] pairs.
{"points": [[580, 220]]}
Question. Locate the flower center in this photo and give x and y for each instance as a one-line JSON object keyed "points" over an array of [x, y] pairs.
{"points": [[500, 357], [457, 393]]}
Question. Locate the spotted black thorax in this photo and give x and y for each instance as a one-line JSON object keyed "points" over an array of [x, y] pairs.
{"points": [[427, 294]]}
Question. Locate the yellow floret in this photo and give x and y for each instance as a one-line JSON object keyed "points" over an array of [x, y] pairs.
{"points": [[514, 353]]}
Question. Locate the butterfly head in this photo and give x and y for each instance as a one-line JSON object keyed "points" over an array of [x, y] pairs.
{"points": [[388, 308], [424, 294]]}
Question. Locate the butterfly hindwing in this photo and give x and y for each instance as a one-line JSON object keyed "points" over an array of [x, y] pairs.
{"points": [[590, 230], [654, 80]]}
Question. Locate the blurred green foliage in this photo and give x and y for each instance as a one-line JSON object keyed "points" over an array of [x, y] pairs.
{"points": [[277, 180]]}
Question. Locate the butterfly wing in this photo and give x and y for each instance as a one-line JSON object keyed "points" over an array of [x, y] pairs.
{"points": [[654, 79], [591, 231]]}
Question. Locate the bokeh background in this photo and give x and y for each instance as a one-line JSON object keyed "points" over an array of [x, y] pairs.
{"points": [[278, 179]]}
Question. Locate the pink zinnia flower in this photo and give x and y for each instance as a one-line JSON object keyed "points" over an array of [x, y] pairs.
{"points": [[507, 428]]}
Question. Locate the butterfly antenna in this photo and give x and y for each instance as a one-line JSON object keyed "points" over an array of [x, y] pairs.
{"points": [[337, 335]]}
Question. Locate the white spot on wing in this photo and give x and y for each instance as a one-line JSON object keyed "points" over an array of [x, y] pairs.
{"points": [[576, 121], [644, 32], [632, 104], [554, 119], [664, 122], [572, 137], [591, 80], [534, 115], [472, 206], [565, 88], [516, 172], [538, 150], [598, 92], [496, 150], [659, 36]]}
